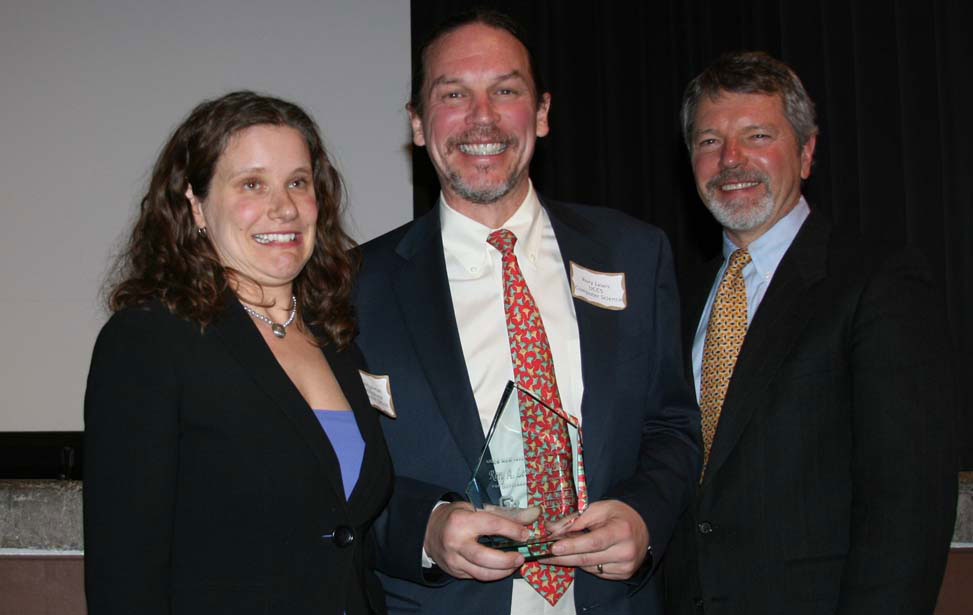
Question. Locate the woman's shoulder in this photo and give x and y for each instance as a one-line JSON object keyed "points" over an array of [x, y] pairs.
{"points": [[150, 322], [146, 342]]}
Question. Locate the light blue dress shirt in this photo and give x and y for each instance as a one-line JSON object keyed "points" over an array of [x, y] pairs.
{"points": [[765, 254]]}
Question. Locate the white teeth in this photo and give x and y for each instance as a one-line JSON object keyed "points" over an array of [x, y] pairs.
{"points": [[482, 149], [266, 238], [739, 186]]}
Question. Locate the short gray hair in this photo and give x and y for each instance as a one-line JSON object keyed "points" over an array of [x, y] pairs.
{"points": [[750, 72]]}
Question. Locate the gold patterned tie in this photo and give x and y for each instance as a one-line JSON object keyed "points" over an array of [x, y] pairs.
{"points": [[725, 331]]}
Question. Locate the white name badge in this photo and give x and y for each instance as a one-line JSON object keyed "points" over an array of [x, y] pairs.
{"points": [[606, 290], [379, 391]]}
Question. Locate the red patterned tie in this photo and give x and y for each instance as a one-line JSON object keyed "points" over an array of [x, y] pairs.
{"points": [[534, 371]]}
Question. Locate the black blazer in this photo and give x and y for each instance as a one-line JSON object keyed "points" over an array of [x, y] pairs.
{"points": [[831, 484], [210, 487], [640, 424]]}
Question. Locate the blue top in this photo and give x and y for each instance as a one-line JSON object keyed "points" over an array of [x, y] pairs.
{"points": [[766, 253], [348, 445]]}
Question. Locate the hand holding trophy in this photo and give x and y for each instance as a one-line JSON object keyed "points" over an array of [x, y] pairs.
{"points": [[530, 470]]}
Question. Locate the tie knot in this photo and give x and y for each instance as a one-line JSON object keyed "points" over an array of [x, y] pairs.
{"points": [[738, 260], [503, 240]]}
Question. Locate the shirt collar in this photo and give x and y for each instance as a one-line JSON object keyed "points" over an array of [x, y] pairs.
{"points": [[767, 250], [465, 240]]}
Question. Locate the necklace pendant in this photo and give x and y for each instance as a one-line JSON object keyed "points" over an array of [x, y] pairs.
{"points": [[278, 330]]}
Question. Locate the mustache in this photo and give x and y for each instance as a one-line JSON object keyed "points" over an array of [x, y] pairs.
{"points": [[486, 134], [736, 176]]}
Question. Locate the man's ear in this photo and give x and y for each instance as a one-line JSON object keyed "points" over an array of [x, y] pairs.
{"points": [[543, 107], [196, 206], [807, 156], [418, 138]]}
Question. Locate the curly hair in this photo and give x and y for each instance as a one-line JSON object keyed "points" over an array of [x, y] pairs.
{"points": [[166, 259]]}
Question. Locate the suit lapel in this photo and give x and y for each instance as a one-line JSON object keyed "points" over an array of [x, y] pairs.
{"points": [[239, 335], [345, 370], [597, 331], [781, 317], [422, 290]]}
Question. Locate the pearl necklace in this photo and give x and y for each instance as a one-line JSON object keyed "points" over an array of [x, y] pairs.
{"points": [[279, 329]]}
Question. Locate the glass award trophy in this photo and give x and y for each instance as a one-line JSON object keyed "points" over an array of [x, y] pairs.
{"points": [[526, 471]]}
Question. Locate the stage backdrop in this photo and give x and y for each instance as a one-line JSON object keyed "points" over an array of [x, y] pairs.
{"points": [[90, 92], [891, 82]]}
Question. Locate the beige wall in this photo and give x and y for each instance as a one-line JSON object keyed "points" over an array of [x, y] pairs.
{"points": [[89, 91]]}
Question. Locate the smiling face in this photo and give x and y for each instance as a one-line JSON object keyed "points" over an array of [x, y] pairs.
{"points": [[747, 162], [480, 119], [260, 212]]}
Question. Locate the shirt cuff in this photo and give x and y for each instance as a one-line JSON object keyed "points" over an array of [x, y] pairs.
{"points": [[427, 562]]}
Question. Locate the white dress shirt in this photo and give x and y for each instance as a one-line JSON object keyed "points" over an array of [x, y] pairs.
{"points": [[475, 273]]}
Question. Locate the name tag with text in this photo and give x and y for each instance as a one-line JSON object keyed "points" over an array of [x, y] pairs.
{"points": [[379, 391], [605, 290]]}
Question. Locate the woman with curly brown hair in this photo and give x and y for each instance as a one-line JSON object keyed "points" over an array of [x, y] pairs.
{"points": [[232, 461]]}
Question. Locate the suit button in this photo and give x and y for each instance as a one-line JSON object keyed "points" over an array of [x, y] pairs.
{"points": [[705, 527], [343, 536], [699, 603]]}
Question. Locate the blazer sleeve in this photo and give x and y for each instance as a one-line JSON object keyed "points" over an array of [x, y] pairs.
{"points": [[400, 531], [903, 466], [669, 463], [131, 462]]}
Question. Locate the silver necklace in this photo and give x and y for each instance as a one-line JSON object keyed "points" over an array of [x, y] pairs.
{"points": [[279, 329]]}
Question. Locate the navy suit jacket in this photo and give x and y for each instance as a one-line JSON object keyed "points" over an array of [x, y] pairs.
{"points": [[831, 484], [641, 426]]}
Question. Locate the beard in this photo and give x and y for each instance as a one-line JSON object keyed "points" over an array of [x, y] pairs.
{"points": [[740, 213], [481, 192]]}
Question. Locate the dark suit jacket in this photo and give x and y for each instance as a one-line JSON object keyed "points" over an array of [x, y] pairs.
{"points": [[641, 427], [209, 483], [831, 485]]}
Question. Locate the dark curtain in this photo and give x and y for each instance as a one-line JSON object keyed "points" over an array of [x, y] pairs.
{"points": [[892, 83]]}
